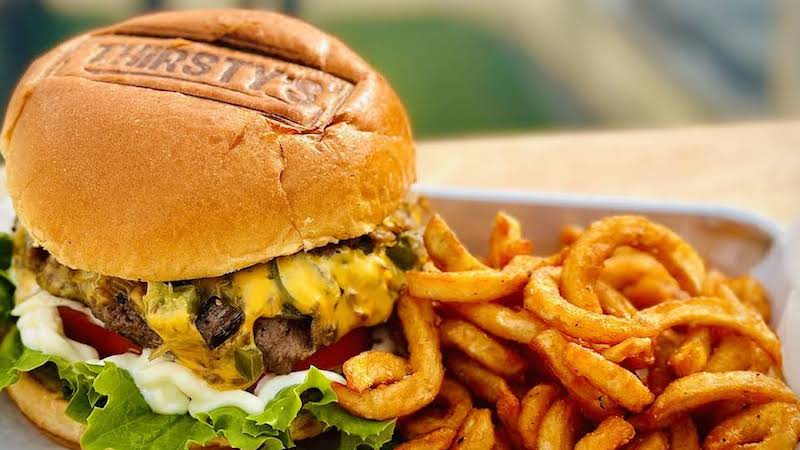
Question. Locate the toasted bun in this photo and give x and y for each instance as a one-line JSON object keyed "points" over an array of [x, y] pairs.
{"points": [[183, 145], [47, 410]]}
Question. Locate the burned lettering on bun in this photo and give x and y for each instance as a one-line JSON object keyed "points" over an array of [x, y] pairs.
{"points": [[209, 203]]}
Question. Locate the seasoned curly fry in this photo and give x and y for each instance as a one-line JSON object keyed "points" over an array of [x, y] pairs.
{"points": [[615, 344], [506, 241], [474, 285], [480, 381], [476, 433], [543, 298], [715, 312], [621, 385], [439, 439], [416, 390], [518, 325], [756, 424], [372, 368], [736, 352], [570, 234], [688, 393], [481, 347], [611, 434], [693, 353], [751, 293], [558, 426], [652, 290], [656, 440], [639, 348], [552, 346], [445, 250], [584, 264], [457, 404], [532, 409], [683, 435], [613, 302]]}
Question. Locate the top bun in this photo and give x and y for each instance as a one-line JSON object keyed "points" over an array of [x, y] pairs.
{"points": [[190, 144]]}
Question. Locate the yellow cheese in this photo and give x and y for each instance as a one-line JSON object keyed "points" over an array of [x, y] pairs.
{"points": [[340, 290]]}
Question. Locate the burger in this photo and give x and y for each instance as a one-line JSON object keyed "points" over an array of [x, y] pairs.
{"points": [[213, 213]]}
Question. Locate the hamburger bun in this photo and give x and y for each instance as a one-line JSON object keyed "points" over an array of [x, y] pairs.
{"points": [[184, 145], [47, 411]]}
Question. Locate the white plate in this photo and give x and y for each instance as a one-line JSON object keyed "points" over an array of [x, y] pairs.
{"points": [[732, 240]]}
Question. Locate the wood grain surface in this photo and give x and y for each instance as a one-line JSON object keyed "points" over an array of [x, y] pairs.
{"points": [[754, 166]]}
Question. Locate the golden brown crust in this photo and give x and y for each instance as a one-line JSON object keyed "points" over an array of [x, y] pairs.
{"points": [[45, 409], [179, 166]]}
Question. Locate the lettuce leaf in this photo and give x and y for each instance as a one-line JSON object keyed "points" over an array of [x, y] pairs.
{"points": [[126, 421], [106, 399], [6, 286]]}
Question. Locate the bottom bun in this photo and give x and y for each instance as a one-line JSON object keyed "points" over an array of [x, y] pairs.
{"points": [[45, 409]]}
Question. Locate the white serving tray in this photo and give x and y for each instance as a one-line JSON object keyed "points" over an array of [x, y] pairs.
{"points": [[732, 240]]}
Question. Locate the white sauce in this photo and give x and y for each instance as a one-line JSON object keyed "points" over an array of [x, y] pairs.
{"points": [[167, 387], [40, 327]]}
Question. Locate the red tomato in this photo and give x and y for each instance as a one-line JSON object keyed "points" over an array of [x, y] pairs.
{"points": [[78, 327], [336, 354]]}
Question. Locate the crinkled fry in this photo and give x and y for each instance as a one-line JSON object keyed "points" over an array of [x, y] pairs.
{"points": [[445, 250], [518, 325], [754, 425], [584, 264], [683, 435], [457, 404], [552, 345], [692, 355], [618, 383], [543, 298], [416, 390], [613, 302], [475, 285], [506, 241], [612, 433], [635, 347], [689, 393], [479, 380], [736, 352], [558, 426], [751, 293], [373, 367], [481, 347], [656, 440], [532, 409], [476, 433], [715, 312], [439, 439]]}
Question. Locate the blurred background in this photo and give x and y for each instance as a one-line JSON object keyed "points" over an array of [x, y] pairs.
{"points": [[474, 66]]}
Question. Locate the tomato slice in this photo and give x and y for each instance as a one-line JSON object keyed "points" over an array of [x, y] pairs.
{"points": [[337, 353], [78, 327]]}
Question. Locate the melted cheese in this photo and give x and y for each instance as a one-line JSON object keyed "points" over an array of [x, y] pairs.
{"points": [[167, 387]]}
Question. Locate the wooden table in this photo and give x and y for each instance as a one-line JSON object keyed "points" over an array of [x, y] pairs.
{"points": [[755, 166]]}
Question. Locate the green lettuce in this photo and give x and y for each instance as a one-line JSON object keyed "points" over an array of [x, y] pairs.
{"points": [[107, 401], [6, 286]]}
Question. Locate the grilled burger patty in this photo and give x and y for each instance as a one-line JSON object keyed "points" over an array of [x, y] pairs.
{"points": [[312, 299]]}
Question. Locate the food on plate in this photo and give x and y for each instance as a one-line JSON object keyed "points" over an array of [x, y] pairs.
{"points": [[216, 247], [604, 370]]}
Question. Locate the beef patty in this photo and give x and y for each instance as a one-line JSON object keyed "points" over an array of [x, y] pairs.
{"points": [[283, 342]]}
